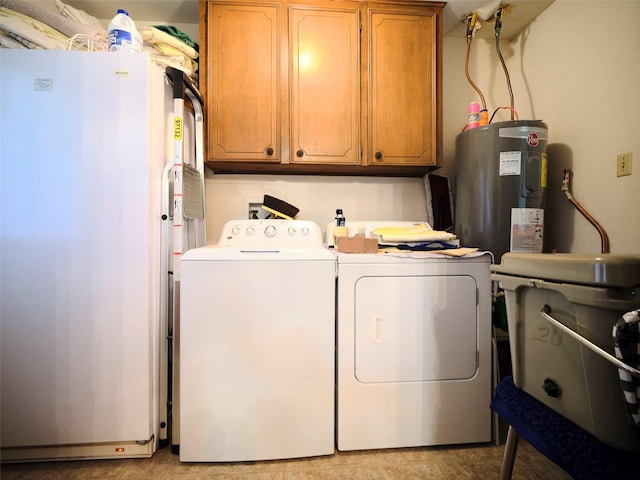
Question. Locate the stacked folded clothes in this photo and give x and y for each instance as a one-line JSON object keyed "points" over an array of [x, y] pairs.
{"points": [[419, 238], [24, 24], [173, 49]]}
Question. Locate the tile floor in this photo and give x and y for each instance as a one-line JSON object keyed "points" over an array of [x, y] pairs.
{"points": [[480, 462]]}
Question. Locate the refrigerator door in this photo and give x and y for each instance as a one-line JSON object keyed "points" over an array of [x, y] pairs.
{"points": [[84, 143]]}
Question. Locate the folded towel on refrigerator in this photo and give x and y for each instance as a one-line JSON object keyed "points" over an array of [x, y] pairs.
{"points": [[37, 16], [30, 32]]}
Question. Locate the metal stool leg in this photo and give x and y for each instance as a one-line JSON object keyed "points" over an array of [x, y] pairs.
{"points": [[509, 457]]}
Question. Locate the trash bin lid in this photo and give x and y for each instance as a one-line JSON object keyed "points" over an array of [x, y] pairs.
{"points": [[586, 269]]}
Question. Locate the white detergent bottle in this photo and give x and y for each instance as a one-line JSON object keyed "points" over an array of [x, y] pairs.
{"points": [[123, 34]]}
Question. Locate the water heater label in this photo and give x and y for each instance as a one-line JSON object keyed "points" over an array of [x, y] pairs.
{"points": [[510, 163], [527, 229]]}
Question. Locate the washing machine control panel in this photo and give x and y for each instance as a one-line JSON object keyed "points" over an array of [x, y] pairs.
{"points": [[271, 234]]}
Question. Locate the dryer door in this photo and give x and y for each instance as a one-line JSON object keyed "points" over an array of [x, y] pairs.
{"points": [[415, 328]]}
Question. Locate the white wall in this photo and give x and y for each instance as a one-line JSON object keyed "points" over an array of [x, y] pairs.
{"points": [[576, 67], [588, 93], [317, 197]]}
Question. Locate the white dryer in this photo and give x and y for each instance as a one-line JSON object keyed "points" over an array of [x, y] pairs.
{"points": [[258, 344], [413, 351]]}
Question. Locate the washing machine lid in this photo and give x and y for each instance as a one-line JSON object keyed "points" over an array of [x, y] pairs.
{"points": [[585, 269]]}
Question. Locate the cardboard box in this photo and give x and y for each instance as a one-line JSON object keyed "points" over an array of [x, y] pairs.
{"points": [[357, 245]]}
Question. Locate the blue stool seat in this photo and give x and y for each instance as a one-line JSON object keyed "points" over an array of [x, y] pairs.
{"points": [[575, 450]]}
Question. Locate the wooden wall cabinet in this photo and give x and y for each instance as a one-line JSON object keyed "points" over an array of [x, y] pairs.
{"points": [[322, 86], [325, 92], [242, 80], [403, 121]]}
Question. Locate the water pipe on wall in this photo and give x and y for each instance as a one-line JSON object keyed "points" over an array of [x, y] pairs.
{"points": [[604, 239], [471, 26], [498, 27], [472, 21]]}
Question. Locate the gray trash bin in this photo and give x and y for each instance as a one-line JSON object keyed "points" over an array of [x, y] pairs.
{"points": [[561, 309]]}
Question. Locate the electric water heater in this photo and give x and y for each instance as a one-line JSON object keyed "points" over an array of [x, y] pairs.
{"points": [[500, 187]]}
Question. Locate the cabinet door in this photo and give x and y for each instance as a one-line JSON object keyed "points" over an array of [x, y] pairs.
{"points": [[402, 88], [243, 82], [324, 79]]}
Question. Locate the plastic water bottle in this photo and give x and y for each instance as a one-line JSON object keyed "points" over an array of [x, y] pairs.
{"points": [[123, 34], [340, 229]]}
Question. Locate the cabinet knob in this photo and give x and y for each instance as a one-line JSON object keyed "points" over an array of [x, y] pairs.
{"points": [[299, 153], [269, 151], [378, 155]]}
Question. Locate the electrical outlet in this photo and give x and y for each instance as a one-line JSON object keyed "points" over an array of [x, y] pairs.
{"points": [[256, 212], [252, 208], [624, 164]]}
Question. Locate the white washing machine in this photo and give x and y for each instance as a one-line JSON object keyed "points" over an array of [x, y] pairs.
{"points": [[258, 344], [413, 351]]}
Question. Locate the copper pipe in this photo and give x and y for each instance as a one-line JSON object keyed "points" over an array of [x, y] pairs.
{"points": [[498, 28], [471, 22], [604, 239]]}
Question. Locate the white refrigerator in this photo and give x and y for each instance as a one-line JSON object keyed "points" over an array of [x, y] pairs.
{"points": [[98, 154]]}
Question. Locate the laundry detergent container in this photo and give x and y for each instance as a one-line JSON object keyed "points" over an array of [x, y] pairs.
{"points": [[548, 294]]}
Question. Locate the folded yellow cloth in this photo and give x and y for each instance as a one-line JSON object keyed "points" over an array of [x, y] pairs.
{"points": [[418, 233]]}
